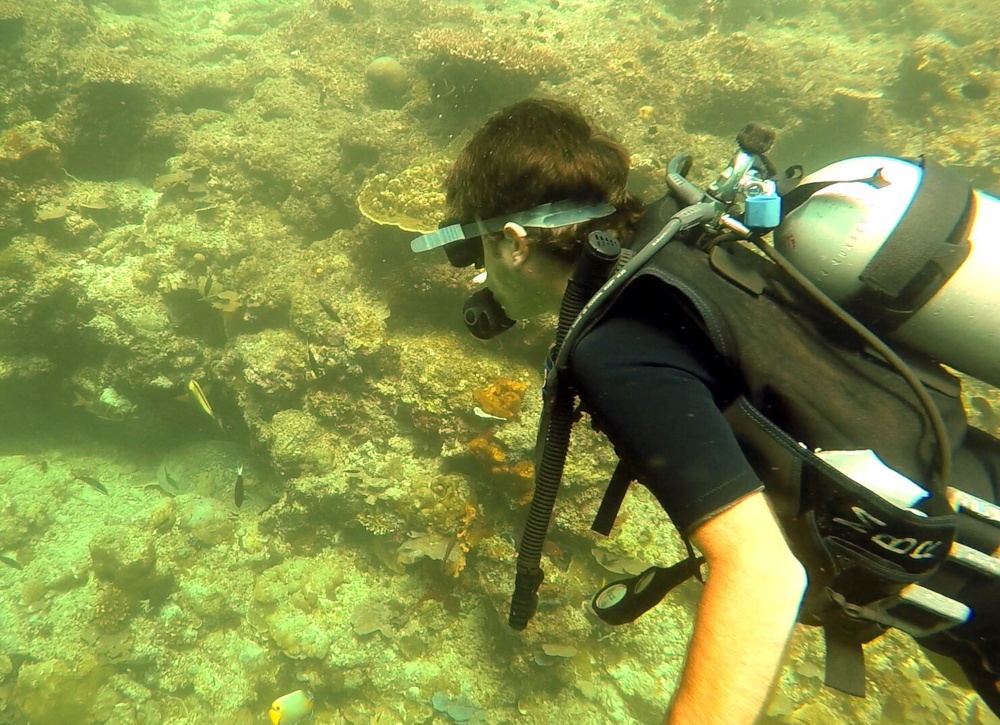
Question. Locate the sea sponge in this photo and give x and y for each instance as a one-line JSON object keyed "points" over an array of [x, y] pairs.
{"points": [[412, 201], [503, 398], [484, 447]]}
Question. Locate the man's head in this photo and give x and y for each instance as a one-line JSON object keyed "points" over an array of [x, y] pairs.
{"points": [[526, 155], [539, 151]]}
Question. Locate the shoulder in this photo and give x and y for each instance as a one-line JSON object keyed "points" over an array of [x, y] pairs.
{"points": [[655, 214]]}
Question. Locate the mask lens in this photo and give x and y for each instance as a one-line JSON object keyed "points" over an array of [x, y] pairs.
{"points": [[466, 253]]}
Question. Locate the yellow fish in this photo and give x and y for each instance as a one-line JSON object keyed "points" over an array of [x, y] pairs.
{"points": [[196, 394], [291, 709]]}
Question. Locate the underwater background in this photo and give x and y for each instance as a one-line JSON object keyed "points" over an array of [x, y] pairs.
{"points": [[207, 299]]}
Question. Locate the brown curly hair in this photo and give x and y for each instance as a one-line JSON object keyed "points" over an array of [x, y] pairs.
{"points": [[536, 151]]}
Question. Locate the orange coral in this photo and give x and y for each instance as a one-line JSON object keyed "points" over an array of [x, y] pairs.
{"points": [[503, 398], [486, 448], [468, 536], [524, 470]]}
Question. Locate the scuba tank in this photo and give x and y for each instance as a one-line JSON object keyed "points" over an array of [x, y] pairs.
{"points": [[909, 249]]}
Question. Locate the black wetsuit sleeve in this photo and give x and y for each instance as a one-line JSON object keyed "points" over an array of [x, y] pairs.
{"points": [[654, 385]]}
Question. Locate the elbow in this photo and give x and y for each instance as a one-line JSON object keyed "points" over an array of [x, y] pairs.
{"points": [[795, 577], [786, 577], [781, 576]]}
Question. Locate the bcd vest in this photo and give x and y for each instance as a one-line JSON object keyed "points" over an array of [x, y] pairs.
{"points": [[808, 386]]}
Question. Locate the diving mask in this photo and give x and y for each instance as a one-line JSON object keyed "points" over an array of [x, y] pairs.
{"points": [[463, 243]]}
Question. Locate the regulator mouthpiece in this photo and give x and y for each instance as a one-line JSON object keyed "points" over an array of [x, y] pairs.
{"points": [[484, 317]]}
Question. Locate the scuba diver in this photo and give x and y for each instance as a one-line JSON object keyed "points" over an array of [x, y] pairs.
{"points": [[751, 391]]}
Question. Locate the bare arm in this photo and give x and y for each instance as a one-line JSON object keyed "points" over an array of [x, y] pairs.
{"points": [[745, 618]]}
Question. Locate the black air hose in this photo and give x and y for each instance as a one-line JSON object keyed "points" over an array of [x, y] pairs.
{"points": [[588, 291], [600, 254]]}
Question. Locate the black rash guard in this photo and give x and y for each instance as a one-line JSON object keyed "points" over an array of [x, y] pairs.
{"points": [[655, 386]]}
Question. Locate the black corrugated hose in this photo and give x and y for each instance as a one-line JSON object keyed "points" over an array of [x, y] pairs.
{"points": [[600, 254]]}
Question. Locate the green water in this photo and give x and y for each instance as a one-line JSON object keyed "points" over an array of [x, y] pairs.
{"points": [[215, 192]]}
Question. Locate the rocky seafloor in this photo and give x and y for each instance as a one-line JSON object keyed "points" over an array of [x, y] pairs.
{"points": [[223, 192]]}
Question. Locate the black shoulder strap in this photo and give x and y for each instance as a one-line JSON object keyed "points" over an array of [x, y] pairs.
{"points": [[614, 495]]}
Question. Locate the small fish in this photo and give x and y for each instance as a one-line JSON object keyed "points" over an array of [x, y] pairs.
{"points": [[11, 562], [293, 708], [170, 479], [198, 395], [98, 407], [90, 481], [239, 486], [328, 309], [314, 368]]}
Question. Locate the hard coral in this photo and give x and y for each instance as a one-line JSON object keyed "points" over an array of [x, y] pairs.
{"points": [[412, 201], [503, 398], [53, 690], [10, 11], [469, 70], [505, 54], [99, 68], [112, 609], [11, 22]]}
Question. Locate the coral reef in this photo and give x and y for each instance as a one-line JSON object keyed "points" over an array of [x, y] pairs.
{"points": [[503, 398], [468, 68], [224, 193], [388, 81], [412, 201]]}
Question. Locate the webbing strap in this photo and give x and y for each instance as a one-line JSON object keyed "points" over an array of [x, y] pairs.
{"points": [[614, 495], [939, 206], [845, 662]]}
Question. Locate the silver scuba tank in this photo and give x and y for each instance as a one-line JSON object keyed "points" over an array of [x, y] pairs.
{"points": [[852, 238]]}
